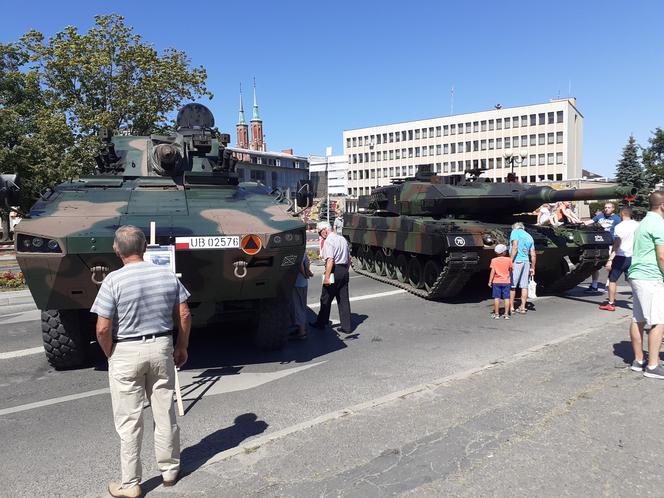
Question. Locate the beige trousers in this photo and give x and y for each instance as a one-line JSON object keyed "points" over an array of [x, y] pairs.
{"points": [[139, 370]]}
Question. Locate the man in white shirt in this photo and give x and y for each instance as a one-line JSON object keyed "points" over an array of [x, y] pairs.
{"points": [[336, 255], [621, 253]]}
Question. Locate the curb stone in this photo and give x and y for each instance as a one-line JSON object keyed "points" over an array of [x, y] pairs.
{"points": [[12, 298]]}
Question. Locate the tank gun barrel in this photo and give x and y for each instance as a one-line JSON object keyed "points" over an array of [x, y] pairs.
{"points": [[541, 195]]}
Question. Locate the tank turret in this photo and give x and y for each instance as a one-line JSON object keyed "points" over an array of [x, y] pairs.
{"points": [[476, 198]]}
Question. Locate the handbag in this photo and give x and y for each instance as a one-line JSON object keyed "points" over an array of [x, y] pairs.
{"points": [[532, 289]]}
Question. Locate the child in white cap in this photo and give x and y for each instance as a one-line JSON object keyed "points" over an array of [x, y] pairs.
{"points": [[499, 281]]}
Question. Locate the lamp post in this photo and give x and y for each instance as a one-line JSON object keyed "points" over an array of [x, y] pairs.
{"points": [[517, 158]]}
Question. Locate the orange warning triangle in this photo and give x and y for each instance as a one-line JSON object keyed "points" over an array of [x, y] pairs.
{"points": [[251, 244]]}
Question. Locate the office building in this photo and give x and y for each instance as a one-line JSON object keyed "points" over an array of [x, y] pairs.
{"points": [[329, 174]]}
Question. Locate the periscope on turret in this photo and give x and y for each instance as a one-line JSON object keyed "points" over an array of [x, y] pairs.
{"points": [[429, 234], [237, 245]]}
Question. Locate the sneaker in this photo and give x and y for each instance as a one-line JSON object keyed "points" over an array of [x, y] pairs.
{"points": [[591, 290], [495, 317], [116, 489], [655, 373], [520, 311], [608, 307], [506, 317], [637, 365]]}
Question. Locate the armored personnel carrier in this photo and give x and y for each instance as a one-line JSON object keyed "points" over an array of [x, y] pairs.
{"points": [[430, 234], [237, 245]]}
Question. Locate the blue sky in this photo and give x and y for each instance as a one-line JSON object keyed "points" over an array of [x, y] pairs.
{"points": [[322, 67]]}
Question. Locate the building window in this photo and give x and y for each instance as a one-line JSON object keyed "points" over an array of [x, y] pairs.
{"points": [[391, 137], [507, 142], [483, 126], [403, 136], [532, 160], [359, 141], [397, 154], [378, 140], [491, 125], [499, 143], [549, 158], [403, 153], [452, 129], [354, 158], [392, 154], [559, 137], [550, 116], [491, 163], [437, 131], [384, 155], [533, 119], [533, 140], [424, 133], [373, 156], [410, 134], [476, 126], [559, 177], [446, 168], [483, 163], [397, 137], [403, 171], [540, 159], [384, 138], [425, 151], [417, 152], [559, 157], [540, 118], [475, 145], [483, 145], [257, 175], [549, 138], [431, 150], [417, 134], [354, 141], [468, 127], [410, 169], [524, 140], [507, 123], [540, 139], [559, 117], [499, 124], [359, 157], [515, 122], [524, 121], [373, 174], [452, 148], [348, 143], [379, 155], [467, 147], [438, 149], [446, 149], [491, 143], [366, 158], [446, 130], [431, 132], [460, 147], [410, 152], [499, 162], [391, 172]]}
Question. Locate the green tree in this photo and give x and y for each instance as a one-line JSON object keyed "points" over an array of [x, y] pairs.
{"points": [[630, 172], [653, 157], [56, 94]]}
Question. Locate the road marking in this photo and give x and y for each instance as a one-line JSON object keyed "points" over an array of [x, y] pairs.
{"points": [[21, 352], [208, 382], [365, 297], [24, 316]]}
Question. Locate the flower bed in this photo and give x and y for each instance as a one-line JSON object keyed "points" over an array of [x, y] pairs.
{"points": [[11, 280]]}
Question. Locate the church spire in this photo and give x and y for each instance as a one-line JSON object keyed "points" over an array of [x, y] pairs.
{"points": [[241, 120], [255, 117]]}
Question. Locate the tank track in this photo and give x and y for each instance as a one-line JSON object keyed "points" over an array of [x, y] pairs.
{"points": [[456, 272], [591, 259]]}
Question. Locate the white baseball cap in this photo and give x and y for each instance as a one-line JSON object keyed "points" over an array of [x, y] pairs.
{"points": [[323, 225], [500, 248]]}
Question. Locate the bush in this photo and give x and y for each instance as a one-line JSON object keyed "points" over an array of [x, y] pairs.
{"points": [[11, 280]]}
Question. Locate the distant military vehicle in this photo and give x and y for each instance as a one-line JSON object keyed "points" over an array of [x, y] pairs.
{"points": [[430, 234], [237, 245]]}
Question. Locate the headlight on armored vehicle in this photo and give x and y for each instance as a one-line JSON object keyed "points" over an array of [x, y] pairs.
{"points": [[288, 239], [28, 243]]}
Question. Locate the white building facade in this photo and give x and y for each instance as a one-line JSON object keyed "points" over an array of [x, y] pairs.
{"points": [[332, 172], [546, 139]]}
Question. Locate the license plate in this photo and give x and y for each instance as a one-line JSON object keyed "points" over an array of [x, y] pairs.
{"points": [[208, 242]]}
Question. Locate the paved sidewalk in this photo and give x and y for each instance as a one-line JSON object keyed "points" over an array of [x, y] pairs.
{"points": [[568, 419]]}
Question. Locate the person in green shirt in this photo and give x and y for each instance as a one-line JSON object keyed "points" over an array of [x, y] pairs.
{"points": [[646, 276]]}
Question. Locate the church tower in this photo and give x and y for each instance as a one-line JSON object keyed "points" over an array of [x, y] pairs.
{"points": [[241, 127], [257, 137]]}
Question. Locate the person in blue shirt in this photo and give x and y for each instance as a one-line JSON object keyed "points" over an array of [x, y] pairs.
{"points": [[608, 220], [522, 251]]}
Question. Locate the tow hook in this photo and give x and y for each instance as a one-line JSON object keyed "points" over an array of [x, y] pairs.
{"points": [[103, 270], [240, 270]]}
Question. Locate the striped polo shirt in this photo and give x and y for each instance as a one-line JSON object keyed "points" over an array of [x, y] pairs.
{"points": [[139, 298]]}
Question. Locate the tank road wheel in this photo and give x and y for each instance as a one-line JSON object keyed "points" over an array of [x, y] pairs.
{"points": [[391, 266], [379, 262], [370, 259], [415, 273], [66, 342], [354, 259], [401, 268], [432, 269], [362, 258], [272, 322]]}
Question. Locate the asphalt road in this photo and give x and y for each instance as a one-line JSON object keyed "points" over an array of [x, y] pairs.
{"points": [[56, 428]]}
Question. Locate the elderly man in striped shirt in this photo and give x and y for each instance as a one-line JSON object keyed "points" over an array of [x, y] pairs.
{"points": [[136, 306]]}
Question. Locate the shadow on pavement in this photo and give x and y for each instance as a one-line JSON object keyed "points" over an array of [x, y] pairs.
{"points": [[194, 457]]}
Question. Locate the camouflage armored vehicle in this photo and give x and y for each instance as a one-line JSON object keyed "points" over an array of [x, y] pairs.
{"points": [[237, 245], [430, 234]]}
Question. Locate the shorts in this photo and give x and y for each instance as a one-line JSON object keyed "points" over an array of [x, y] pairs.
{"points": [[619, 265], [648, 301], [501, 291], [520, 275]]}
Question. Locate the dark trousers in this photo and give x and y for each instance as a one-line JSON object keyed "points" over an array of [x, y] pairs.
{"points": [[339, 291]]}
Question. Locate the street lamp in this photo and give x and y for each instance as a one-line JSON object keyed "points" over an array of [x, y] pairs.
{"points": [[517, 158]]}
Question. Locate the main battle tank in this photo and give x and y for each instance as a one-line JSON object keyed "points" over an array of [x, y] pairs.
{"points": [[430, 234], [237, 245]]}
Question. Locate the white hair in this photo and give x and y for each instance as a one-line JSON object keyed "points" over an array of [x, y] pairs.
{"points": [[518, 226], [129, 241]]}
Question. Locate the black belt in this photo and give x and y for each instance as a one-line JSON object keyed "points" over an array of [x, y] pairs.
{"points": [[142, 337], [344, 265]]}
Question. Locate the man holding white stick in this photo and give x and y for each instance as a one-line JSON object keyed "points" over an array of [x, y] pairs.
{"points": [[136, 307]]}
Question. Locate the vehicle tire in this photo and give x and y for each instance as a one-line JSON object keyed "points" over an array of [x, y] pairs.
{"points": [[66, 342], [370, 260], [402, 268], [271, 328], [415, 273], [379, 262], [432, 269], [391, 266]]}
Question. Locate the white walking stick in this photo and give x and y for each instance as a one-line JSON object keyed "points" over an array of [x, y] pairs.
{"points": [[178, 394]]}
